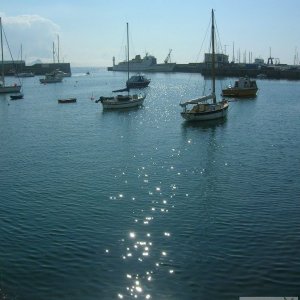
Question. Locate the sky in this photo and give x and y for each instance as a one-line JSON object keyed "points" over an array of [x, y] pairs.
{"points": [[91, 32]]}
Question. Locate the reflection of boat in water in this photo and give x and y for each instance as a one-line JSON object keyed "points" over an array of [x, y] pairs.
{"points": [[137, 81], [146, 64], [5, 89], [243, 87], [122, 101], [203, 110]]}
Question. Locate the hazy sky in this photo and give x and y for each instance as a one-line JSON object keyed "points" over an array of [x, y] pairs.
{"points": [[93, 31]]}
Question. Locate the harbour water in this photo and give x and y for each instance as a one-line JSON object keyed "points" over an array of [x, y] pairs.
{"points": [[139, 204]]}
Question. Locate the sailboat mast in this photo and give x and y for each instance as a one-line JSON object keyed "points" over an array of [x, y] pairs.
{"points": [[127, 52], [2, 69], [213, 55], [58, 48], [53, 52]]}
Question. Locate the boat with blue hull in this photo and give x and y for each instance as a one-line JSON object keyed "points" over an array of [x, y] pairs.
{"points": [[138, 81]]}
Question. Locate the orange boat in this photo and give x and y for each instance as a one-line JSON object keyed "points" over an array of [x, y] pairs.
{"points": [[243, 87]]}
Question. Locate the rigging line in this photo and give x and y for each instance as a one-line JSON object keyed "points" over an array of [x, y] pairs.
{"points": [[121, 51], [197, 57], [218, 37], [219, 43], [203, 40], [132, 48], [14, 64]]}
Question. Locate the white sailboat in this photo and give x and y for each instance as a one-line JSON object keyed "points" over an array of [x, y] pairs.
{"points": [[5, 89], [206, 107], [122, 101]]}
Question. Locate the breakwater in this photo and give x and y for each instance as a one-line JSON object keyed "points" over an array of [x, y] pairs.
{"points": [[12, 68], [239, 70], [236, 70]]}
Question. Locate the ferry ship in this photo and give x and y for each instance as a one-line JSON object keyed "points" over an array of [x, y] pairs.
{"points": [[146, 64]]}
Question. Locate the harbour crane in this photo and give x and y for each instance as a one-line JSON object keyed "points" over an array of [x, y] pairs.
{"points": [[168, 58], [270, 60]]}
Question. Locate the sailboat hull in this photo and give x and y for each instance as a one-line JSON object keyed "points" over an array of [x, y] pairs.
{"points": [[207, 111], [234, 92], [123, 101], [10, 89], [5, 89], [118, 103], [191, 115], [51, 80]]}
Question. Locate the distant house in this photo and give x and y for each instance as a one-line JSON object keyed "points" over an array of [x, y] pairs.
{"points": [[259, 61], [220, 59]]}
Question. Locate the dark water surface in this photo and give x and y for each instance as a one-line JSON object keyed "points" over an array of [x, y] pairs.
{"points": [[139, 204]]}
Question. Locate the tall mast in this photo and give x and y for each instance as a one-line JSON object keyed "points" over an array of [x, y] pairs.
{"points": [[127, 52], [2, 70], [53, 52], [213, 55], [21, 58], [58, 48]]}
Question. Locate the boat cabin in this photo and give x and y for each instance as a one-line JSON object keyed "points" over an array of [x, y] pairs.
{"points": [[245, 83]]}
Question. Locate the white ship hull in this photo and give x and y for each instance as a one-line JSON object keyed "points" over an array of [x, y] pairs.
{"points": [[162, 68], [146, 64], [142, 68]]}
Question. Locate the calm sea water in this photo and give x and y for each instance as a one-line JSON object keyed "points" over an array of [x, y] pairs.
{"points": [[139, 204]]}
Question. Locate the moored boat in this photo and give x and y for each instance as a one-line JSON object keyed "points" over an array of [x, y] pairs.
{"points": [[243, 87], [201, 109], [261, 76], [137, 81], [67, 100], [53, 77], [25, 74], [6, 89], [17, 96], [122, 101]]}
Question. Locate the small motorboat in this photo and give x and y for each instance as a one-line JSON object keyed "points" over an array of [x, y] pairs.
{"points": [[67, 100], [17, 96]]}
